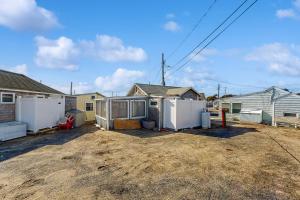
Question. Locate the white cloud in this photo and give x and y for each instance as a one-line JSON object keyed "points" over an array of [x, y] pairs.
{"points": [[121, 80], [20, 69], [79, 88], [285, 13], [170, 16], [297, 3], [61, 53], [191, 77], [112, 49], [26, 15], [280, 58], [202, 56], [171, 26]]}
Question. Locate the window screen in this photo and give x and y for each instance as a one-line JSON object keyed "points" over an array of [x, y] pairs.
{"points": [[138, 108], [101, 108], [7, 98], [119, 109], [236, 107], [89, 107]]}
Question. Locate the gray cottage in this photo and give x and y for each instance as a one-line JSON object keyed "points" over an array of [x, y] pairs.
{"points": [[270, 105], [156, 94], [143, 101]]}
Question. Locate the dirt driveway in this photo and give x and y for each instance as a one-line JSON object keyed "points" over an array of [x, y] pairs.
{"points": [[242, 162]]}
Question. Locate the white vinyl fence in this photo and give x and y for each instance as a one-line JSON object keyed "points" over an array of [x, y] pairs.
{"points": [[179, 114], [39, 113]]}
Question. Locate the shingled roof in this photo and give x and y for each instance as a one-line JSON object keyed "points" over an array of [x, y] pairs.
{"points": [[155, 90], [159, 90], [14, 81]]}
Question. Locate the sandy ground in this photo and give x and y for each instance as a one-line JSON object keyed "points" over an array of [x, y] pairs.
{"points": [[241, 162]]}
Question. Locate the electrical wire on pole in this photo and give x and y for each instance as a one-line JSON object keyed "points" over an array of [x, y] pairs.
{"points": [[192, 30], [213, 39]]}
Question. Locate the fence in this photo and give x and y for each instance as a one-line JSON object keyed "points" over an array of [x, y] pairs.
{"points": [[179, 114]]}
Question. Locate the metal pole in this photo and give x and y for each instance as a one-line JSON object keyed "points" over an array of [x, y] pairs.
{"points": [[163, 83]]}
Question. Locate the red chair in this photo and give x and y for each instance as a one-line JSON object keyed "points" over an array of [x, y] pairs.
{"points": [[68, 124]]}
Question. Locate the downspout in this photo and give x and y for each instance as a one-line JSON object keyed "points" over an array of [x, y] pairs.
{"points": [[273, 100], [273, 114], [107, 113]]}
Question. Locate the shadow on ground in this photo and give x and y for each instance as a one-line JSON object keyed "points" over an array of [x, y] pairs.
{"points": [[16, 147], [144, 133], [215, 131], [230, 131]]}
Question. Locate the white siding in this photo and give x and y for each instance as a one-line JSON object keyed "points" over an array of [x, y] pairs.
{"points": [[288, 104], [258, 101]]}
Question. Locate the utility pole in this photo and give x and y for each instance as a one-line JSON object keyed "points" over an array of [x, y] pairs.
{"points": [[225, 90], [163, 83], [219, 90], [71, 88]]}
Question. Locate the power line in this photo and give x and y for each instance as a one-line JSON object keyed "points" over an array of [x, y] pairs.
{"points": [[213, 39], [211, 33], [193, 29]]}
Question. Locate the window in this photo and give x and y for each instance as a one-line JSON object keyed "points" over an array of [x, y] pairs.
{"points": [[89, 106], [101, 108], [289, 114], [236, 107], [7, 97], [153, 103], [138, 108], [119, 109], [93, 97]]}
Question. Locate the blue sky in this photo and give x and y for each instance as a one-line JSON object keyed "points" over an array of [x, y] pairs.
{"points": [[106, 46]]}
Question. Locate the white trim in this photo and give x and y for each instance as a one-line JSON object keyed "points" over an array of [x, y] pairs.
{"points": [[29, 91], [128, 109], [89, 110], [7, 102], [131, 109]]}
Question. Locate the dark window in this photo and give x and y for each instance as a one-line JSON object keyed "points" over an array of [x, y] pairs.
{"points": [[153, 103], [93, 97], [7, 98], [290, 114], [236, 107], [89, 107]]}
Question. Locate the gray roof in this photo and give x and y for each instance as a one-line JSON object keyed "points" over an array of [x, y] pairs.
{"points": [[90, 93], [156, 90], [159, 90], [278, 93], [14, 81]]}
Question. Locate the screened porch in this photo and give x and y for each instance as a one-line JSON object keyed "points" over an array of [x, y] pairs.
{"points": [[126, 108]]}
